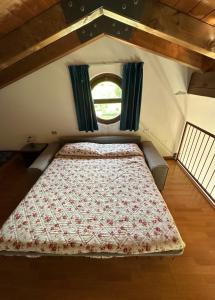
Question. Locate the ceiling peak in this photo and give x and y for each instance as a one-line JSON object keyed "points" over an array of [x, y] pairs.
{"points": [[147, 24]]}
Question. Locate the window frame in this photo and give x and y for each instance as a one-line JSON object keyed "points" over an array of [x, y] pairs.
{"points": [[107, 77]]}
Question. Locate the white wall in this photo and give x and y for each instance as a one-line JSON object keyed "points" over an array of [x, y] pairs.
{"points": [[43, 101], [201, 112]]}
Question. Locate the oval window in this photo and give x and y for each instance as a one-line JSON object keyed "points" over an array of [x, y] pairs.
{"points": [[107, 95]]}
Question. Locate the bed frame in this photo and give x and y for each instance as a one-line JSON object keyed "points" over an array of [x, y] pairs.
{"points": [[156, 163]]}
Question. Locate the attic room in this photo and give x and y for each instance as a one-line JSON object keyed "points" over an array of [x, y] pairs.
{"points": [[107, 149]]}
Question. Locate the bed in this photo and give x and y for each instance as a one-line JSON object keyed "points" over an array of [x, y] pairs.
{"points": [[93, 200]]}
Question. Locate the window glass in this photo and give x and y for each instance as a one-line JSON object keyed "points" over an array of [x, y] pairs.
{"points": [[108, 111], [107, 89], [107, 94]]}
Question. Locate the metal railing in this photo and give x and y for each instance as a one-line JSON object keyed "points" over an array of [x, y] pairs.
{"points": [[197, 155]]}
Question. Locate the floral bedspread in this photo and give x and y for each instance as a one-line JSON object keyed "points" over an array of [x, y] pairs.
{"points": [[92, 205]]}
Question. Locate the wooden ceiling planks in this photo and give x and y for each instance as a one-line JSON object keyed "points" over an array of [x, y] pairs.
{"points": [[38, 33], [202, 9], [186, 6], [171, 3], [161, 30], [30, 36], [165, 22], [199, 9], [210, 19], [14, 13]]}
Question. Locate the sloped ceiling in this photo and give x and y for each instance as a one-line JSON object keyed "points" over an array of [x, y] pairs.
{"points": [[15, 13], [203, 10], [42, 102], [65, 25], [110, 51]]}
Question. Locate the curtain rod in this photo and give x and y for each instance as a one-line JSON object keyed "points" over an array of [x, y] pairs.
{"points": [[105, 63], [112, 62]]}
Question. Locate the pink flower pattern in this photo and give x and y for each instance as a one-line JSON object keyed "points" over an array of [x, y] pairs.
{"points": [[86, 149], [92, 205]]}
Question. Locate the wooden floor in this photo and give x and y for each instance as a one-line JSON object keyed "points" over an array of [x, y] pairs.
{"points": [[191, 276]]}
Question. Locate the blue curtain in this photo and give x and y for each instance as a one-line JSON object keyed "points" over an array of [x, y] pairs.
{"points": [[85, 110], [132, 81]]}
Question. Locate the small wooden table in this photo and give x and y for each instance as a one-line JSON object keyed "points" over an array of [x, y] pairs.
{"points": [[31, 151]]}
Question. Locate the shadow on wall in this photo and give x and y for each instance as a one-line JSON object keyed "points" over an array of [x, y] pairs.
{"points": [[149, 136], [171, 108]]}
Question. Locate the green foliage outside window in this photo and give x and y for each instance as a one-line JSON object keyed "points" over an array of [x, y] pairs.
{"points": [[107, 90]]}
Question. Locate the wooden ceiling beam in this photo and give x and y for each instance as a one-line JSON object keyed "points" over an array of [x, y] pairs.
{"points": [[161, 30], [171, 25], [43, 57], [202, 84], [208, 65], [31, 34], [40, 32], [71, 42], [167, 49]]}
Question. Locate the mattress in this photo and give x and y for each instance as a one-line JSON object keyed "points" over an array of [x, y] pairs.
{"points": [[92, 206]]}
